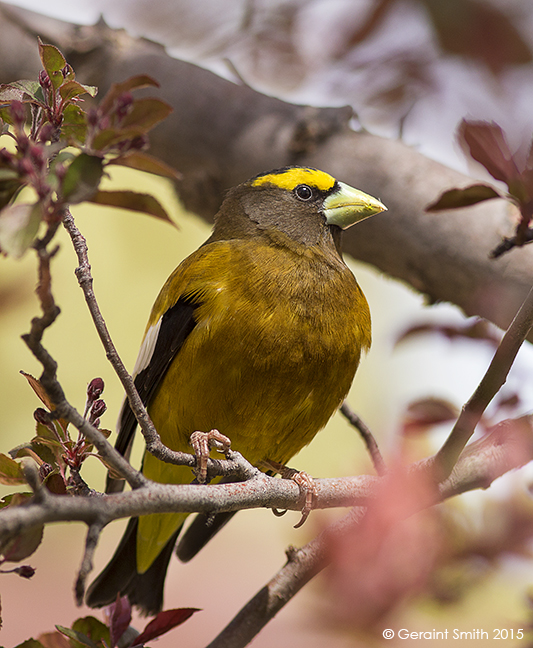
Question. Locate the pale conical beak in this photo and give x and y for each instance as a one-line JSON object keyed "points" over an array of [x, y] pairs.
{"points": [[348, 206]]}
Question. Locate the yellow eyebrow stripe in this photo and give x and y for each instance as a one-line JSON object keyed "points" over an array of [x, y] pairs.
{"points": [[291, 178]]}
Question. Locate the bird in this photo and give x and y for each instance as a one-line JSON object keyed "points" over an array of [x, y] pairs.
{"points": [[257, 334]]}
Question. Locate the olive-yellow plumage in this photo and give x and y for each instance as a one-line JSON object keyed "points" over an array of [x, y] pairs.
{"points": [[257, 334]]}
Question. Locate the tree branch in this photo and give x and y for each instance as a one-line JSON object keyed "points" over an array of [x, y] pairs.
{"points": [[490, 384], [367, 436], [508, 443], [228, 132], [48, 378], [235, 465]]}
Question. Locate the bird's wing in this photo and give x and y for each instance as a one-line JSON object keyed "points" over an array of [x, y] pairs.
{"points": [[161, 343]]}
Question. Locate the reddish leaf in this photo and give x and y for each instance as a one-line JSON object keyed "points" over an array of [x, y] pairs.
{"points": [[476, 330], [38, 389], [119, 618], [117, 89], [111, 137], [478, 30], [55, 483], [54, 640], [146, 113], [427, 412], [23, 545], [163, 622], [389, 556], [488, 146], [145, 162], [133, 201], [454, 198]]}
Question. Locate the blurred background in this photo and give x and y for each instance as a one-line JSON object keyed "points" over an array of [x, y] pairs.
{"points": [[411, 69]]}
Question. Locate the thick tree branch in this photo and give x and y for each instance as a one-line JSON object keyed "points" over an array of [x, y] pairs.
{"points": [[301, 566], [222, 133], [508, 446]]}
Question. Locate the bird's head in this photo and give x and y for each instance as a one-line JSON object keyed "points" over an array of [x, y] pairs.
{"points": [[300, 202]]}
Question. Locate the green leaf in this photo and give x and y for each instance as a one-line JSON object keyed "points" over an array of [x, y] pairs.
{"points": [[30, 643], [146, 113], [23, 545], [72, 89], [19, 225], [133, 201], [144, 162], [454, 198], [79, 639], [92, 628], [23, 90], [133, 83], [74, 126], [10, 184], [82, 178], [53, 62], [15, 499], [10, 471]]}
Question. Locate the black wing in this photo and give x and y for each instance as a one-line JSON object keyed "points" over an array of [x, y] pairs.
{"points": [[176, 325]]}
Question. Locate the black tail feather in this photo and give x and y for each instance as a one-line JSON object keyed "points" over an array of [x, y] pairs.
{"points": [[121, 577], [199, 532]]}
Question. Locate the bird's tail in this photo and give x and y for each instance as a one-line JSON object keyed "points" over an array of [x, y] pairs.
{"points": [[121, 577]]}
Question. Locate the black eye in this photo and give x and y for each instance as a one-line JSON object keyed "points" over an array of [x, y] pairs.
{"points": [[303, 192]]}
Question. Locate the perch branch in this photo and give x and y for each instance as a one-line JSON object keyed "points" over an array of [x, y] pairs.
{"points": [[507, 446]]}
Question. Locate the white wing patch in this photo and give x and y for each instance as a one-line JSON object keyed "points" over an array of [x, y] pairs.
{"points": [[147, 347]]}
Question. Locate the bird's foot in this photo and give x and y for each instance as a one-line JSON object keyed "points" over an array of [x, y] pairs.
{"points": [[202, 443], [305, 482]]}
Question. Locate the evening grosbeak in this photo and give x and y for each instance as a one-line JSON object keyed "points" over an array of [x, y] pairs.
{"points": [[258, 335]]}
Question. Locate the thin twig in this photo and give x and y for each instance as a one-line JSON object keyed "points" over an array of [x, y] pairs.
{"points": [[495, 376], [153, 441], [93, 535], [48, 379], [367, 436]]}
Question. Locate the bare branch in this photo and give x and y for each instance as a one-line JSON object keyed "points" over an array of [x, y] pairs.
{"points": [[367, 436], [48, 378], [489, 386], [301, 566], [508, 446], [237, 467], [93, 535]]}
